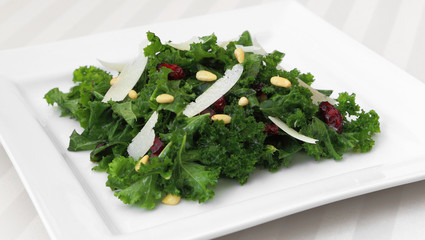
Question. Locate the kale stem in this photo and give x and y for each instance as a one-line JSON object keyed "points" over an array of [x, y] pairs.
{"points": [[179, 157]]}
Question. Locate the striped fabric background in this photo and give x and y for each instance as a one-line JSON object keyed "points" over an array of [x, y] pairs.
{"points": [[395, 29]]}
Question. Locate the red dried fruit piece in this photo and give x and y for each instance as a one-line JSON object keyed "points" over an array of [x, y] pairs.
{"points": [[157, 147], [262, 97], [100, 145], [332, 116], [219, 104], [271, 128], [258, 88], [177, 73], [210, 111]]}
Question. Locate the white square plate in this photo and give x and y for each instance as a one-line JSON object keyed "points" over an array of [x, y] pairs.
{"points": [[74, 202]]}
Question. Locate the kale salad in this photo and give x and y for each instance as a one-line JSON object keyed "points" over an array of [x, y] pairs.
{"points": [[179, 117]]}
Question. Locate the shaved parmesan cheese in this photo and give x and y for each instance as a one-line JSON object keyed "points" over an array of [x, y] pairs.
{"points": [[143, 44], [253, 49], [291, 132], [185, 46], [317, 97], [224, 44], [215, 91], [141, 143], [113, 65], [255, 43], [127, 79]]}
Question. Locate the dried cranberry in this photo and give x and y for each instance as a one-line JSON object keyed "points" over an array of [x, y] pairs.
{"points": [[262, 97], [157, 147], [258, 88], [332, 116], [100, 145], [219, 104], [177, 72], [271, 129], [210, 111]]}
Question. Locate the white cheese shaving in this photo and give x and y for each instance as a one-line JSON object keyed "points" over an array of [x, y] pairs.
{"points": [[141, 143], [128, 77], [256, 48], [255, 43], [185, 46], [291, 132], [224, 44], [215, 91], [317, 96], [253, 49], [115, 66]]}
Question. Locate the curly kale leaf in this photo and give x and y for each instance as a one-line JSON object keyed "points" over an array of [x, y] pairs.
{"points": [[155, 45], [362, 129], [198, 151], [253, 64], [278, 152], [245, 39], [143, 187], [347, 105], [307, 78], [92, 85], [362, 126], [330, 144], [269, 69], [234, 149], [295, 108], [125, 110], [132, 187], [191, 180], [359, 128], [143, 193]]}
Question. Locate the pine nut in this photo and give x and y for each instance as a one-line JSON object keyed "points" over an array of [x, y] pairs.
{"points": [[132, 94], [171, 199], [240, 55], [280, 82], [206, 76], [243, 101], [223, 117], [143, 160], [164, 98], [113, 80]]}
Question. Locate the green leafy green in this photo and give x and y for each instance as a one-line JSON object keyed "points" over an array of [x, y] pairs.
{"points": [[295, 108], [198, 151]]}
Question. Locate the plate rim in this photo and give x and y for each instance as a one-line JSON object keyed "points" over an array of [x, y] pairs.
{"points": [[5, 139]]}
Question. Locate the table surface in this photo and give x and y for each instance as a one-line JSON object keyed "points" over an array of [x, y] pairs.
{"points": [[395, 29]]}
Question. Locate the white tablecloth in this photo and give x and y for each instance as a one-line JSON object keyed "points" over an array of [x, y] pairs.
{"points": [[395, 29]]}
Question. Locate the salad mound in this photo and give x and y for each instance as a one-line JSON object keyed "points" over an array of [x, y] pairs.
{"points": [[228, 133]]}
